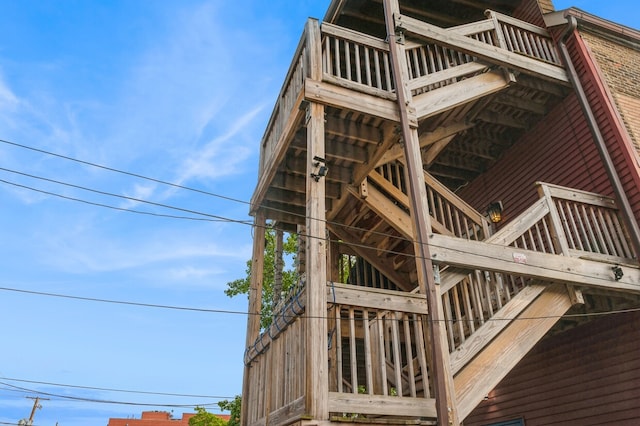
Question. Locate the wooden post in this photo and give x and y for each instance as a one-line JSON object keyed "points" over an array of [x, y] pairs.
{"points": [[317, 380], [255, 301], [443, 380]]}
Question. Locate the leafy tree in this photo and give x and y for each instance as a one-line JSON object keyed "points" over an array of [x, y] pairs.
{"points": [[234, 407], [204, 418], [289, 276]]}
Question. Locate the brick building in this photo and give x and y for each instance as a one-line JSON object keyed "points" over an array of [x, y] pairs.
{"points": [[157, 418]]}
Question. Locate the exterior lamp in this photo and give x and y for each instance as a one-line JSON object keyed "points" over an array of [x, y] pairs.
{"points": [[495, 211], [320, 164]]}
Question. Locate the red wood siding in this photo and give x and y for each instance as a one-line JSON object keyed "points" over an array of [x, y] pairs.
{"points": [[589, 375], [558, 150], [529, 11]]}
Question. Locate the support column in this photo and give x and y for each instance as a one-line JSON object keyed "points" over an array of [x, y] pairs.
{"points": [[317, 380], [421, 223], [255, 302], [317, 386]]}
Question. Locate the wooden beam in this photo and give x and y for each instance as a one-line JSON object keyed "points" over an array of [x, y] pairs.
{"points": [[494, 326], [255, 297], [316, 365], [383, 405], [339, 97], [502, 120], [492, 54], [495, 361], [375, 298], [382, 263], [426, 139], [548, 267], [445, 403], [436, 101]]}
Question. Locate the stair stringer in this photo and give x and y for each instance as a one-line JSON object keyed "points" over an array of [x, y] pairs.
{"points": [[477, 378]]}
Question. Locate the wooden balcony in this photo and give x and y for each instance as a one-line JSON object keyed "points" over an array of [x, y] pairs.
{"points": [[474, 90], [452, 73], [379, 366]]}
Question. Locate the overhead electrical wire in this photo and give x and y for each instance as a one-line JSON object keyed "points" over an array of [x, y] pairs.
{"points": [[214, 217], [171, 184], [11, 379], [222, 218], [231, 312], [104, 401], [66, 197]]}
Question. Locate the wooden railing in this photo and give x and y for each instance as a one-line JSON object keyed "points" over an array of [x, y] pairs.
{"points": [[564, 221], [283, 111], [450, 215], [361, 62], [350, 57], [377, 351], [521, 37], [378, 358]]}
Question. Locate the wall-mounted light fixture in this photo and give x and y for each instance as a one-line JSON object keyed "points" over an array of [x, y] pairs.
{"points": [[494, 210], [617, 272], [321, 168]]}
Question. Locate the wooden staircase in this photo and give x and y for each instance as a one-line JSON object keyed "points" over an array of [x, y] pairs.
{"points": [[494, 315]]}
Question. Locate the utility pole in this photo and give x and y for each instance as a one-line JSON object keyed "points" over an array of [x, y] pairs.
{"points": [[36, 406]]}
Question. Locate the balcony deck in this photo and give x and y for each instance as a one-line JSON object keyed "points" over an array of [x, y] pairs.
{"points": [[469, 104]]}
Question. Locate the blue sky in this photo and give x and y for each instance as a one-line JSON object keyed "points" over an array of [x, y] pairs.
{"points": [[176, 91]]}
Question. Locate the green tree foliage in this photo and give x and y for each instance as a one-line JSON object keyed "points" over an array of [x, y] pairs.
{"points": [[204, 418], [234, 407], [289, 276]]}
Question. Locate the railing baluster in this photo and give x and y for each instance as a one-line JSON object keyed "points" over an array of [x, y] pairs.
{"points": [[421, 353], [367, 351], [446, 302], [367, 67], [397, 359], [352, 351], [409, 356], [339, 349]]}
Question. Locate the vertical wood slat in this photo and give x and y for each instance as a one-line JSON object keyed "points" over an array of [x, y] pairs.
{"points": [[382, 362], [339, 350], [367, 352], [397, 360], [422, 354], [409, 354], [352, 351]]}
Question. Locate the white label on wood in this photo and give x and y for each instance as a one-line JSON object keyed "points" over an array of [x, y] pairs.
{"points": [[520, 258]]}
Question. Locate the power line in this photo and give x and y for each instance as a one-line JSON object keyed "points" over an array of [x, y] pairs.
{"points": [[221, 311], [114, 389], [111, 169], [139, 200], [66, 197], [211, 194], [122, 302], [103, 401]]}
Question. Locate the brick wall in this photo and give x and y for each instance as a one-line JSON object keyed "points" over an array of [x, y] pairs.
{"points": [[620, 66]]}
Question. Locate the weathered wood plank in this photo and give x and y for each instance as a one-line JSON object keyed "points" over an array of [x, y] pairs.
{"points": [[354, 36], [544, 266], [378, 404], [374, 298], [498, 322], [482, 374], [340, 97], [445, 98]]}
